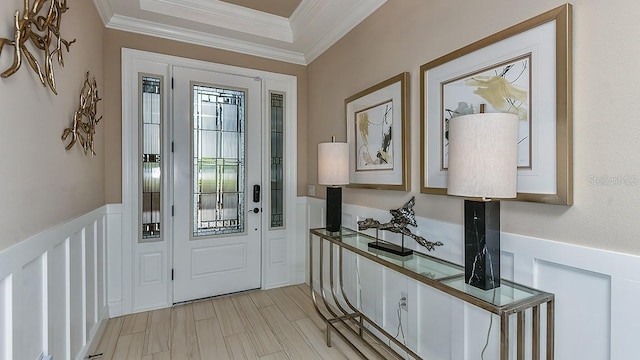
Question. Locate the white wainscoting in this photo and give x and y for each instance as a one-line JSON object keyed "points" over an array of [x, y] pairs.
{"points": [[283, 252], [52, 290], [596, 292]]}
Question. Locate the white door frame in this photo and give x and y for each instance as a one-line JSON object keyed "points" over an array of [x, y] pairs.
{"points": [[146, 267]]}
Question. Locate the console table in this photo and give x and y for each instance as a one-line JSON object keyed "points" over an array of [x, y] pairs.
{"points": [[507, 300]]}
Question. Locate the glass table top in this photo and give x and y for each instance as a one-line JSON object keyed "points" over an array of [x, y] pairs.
{"points": [[438, 273], [505, 294]]}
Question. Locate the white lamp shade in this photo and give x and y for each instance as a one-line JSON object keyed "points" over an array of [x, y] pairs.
{"points": [[333, 163], [483, 153]]}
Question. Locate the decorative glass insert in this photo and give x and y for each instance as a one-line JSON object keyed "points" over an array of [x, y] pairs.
{"points": [[151, 132], [218, 161], [277, 154]]}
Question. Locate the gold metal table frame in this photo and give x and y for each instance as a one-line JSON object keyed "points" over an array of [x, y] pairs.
{"points": [[445, 276]]}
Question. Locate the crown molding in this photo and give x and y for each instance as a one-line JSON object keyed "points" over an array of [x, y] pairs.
{"points": [[105, 10], [164, 31], [312, 28], [303, 12], [349, 20], [224, 15]]}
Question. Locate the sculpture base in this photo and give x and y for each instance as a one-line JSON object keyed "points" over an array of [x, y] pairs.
{"points": [[390, 248]]}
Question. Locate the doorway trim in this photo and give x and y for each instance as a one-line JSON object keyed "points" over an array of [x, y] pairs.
{"points": [[146, 267]]}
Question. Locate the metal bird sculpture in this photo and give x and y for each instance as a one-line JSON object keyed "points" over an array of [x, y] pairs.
{"points": [[400, 219]]}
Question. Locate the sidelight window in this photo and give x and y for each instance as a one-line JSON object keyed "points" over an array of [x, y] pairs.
{"points": [[151, 135], [277, 163]]}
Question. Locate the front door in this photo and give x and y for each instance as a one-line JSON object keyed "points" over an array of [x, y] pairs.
{"points": [[217, 196]]}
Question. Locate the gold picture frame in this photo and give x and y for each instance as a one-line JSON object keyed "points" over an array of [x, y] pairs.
{"points": [[377, 134], [541, 47]]}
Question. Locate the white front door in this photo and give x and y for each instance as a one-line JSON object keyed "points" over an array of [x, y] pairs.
{"points": [[217, 188]]}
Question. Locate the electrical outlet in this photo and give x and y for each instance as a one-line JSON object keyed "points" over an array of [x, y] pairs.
{"points": [[404, 301], [311, 190]]}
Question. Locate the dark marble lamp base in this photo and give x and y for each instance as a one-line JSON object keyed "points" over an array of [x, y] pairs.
{"points": [[482, 244], [333, 215]]}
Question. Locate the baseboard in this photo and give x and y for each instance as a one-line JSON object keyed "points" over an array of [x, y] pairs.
{"points": [[115, 309], [96, 335]]}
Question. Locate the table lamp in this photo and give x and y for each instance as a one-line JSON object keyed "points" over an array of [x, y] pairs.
{"points": [[482, 154], [333, 171]]}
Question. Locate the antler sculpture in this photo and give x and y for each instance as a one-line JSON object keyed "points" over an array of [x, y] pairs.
{"points": [[41, 31], [82, 130]]}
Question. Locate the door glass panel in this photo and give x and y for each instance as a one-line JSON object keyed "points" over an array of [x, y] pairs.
{"points": [[277, 153], [151, 133], [218, 161]]}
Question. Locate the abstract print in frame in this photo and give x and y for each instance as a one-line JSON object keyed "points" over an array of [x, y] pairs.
{"points": [[503, 88], [376, 133], [374, 138], [526, 70]]}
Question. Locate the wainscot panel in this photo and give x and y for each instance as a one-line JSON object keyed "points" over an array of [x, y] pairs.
{"points": [[52, 291]]}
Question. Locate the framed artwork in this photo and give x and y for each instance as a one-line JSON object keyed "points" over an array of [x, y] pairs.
{"points": [[377, 134], [525, 70]]}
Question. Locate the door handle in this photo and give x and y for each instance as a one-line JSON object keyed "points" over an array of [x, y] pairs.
{"points": [[256, 193], [255, 210]]}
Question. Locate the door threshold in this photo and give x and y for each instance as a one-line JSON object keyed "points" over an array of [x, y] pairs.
{"points": [[214, 297]]}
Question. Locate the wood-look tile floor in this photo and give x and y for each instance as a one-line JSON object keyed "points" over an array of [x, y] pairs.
{"points": [[277, 324]]}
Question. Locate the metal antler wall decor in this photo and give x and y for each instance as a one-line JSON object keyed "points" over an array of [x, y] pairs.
{"points": [[84, 119], [43, 32]]}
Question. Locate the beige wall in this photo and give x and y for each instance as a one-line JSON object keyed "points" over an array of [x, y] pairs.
{"points": [[41, 184], [116, 40], [404, 34]]}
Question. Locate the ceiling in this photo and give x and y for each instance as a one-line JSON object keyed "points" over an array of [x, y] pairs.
{"points": [[282, 8], [294, 31]]}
